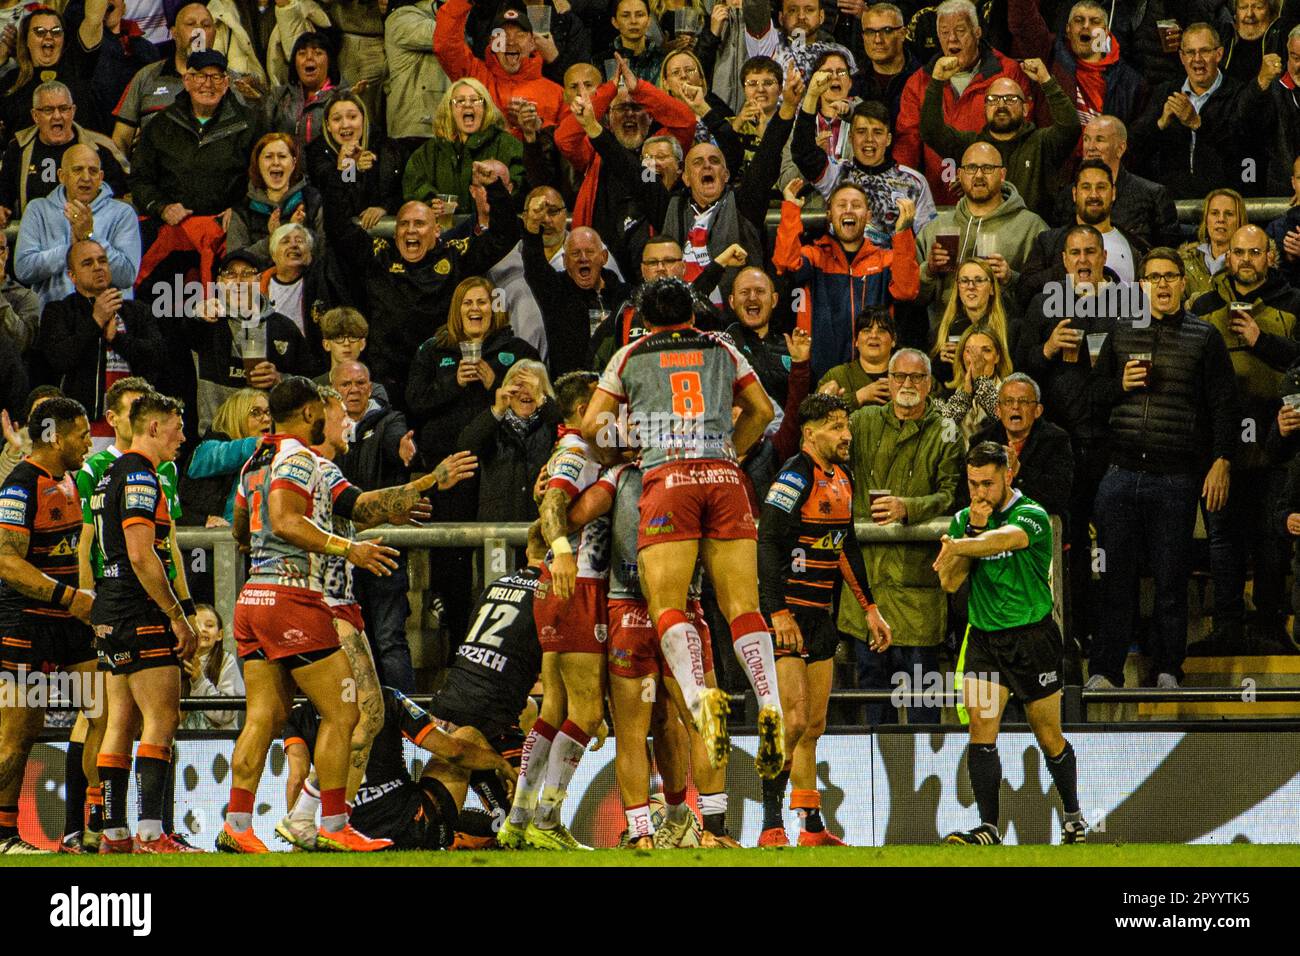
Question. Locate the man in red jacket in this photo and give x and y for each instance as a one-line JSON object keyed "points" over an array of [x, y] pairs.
{"points": [[963, 98], [513, 68]]}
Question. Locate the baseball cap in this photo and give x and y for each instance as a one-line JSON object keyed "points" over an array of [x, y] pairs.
{"points": [[204, 58], [511, 15]]}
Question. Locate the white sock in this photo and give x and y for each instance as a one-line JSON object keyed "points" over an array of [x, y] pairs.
{"points": [[711, 803], [308, 802], [532, 771], [149, 829], [119, 833], [239, 822], [638, 821], [334, 823], [754, 651], [566, 752], [677, 811], [683, 649]]}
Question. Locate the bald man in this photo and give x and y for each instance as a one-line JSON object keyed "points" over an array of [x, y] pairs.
{"points": [[409, 281], [80, 207], [1262, 344], [1032, 156]]}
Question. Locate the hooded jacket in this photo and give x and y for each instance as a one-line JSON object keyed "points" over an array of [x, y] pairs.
{"points": [[836, 290], [965, 112], [416, 82], [1012, 225], [445, 166], [440, 406], [458, 62], [918, 462], [508, 462], [380, 185], [372, 460], [289, 108], [403, 299], [1258, 368], [1032, 157], [45, 235]]}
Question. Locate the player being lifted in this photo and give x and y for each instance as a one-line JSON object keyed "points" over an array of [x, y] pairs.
{"points": [[641, 687], [1003, 543], [284, 628], [142, 630], [571, 619], [680, 386], [806, 544], [43, 616], [348, 621]]}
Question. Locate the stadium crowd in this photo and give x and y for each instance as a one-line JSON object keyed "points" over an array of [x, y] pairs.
{"points": [[958, 218]]}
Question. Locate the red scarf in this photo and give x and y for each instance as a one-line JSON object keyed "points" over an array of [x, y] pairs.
{"points": [[1090, 81]]}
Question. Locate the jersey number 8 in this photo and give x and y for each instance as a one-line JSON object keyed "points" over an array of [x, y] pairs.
{"points": [[688, 396]]}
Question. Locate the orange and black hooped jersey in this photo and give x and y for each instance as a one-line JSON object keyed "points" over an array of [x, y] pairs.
{"points": [[806, 541], [48, 511], [128, 493]]}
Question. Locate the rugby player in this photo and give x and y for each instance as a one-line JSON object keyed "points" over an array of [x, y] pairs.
{"points": [[570, 614], [283, 627], [413, 815], [142, 631], [680, 386], [88, 734], [641, 686], [348, 621], [44, 616], [1002, 542], [805, 525]]}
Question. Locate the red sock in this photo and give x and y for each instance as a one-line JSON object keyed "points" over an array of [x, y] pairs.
{"points": [[333, 802], [241, 801], [750, 622], [668, 618], [571, 729]]}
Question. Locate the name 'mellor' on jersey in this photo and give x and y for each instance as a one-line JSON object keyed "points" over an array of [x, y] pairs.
{"points": [[677, 387]]}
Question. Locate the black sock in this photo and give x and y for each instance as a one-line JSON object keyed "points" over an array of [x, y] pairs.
{"points": [[490, 790], [151, 785], [115, 781], [8, 822], [716, 823], [169, 796], [1065, 774], [985, 768], [95, 814], [773, 797], [812, 821], [74, 790]]}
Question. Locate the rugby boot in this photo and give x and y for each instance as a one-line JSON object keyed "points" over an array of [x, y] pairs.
{"points": [[231, 841], [17, 846], [714, 841], [1074, 831], [556, 838], [511, 836], [107, 846], [164, 844], [982, 835], [771, 743], [715, 706], [349, 840], [298, 832], [820, 838], [773, 837]]}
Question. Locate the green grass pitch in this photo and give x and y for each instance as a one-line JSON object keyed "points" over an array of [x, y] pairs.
{"points": [[1096, 855]]}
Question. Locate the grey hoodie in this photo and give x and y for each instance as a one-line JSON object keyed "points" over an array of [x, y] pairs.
{"points": [[1013, 228]]}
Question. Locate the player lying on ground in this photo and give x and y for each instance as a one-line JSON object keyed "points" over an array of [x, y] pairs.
{"points": [[414, 815], [806, 545], [1003, 543]]}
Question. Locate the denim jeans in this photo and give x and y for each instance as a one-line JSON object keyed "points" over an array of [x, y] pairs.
{"points": [[385, 607], [1244, 528], [876, 671], [1141, 514]]}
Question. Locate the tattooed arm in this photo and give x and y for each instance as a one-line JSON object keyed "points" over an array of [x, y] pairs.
{"points": [[21, 575], [393, 504], [554, 513]]}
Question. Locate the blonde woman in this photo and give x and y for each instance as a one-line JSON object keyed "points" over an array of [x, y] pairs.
{"points": [[467, 128], [976, 298], [1223, 214], [512, 441], [973, 389], [208, 486]]}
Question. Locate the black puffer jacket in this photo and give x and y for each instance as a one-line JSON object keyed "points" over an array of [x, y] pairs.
{"points": [[372, 460], [438, 406], [508, 462], [1188, 414]]}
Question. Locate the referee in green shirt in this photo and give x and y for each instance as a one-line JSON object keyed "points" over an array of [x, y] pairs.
{"points": [[1003, 543]]}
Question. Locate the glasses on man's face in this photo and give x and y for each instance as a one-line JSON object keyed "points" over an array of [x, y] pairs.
{"points": [[879, 33], [464, 102], [961, 33], [1005, 99], [972, 282], [48, 111], [903, 378], [1200, 53], [768, 84], [240, 275], [1162, 278], [1017, 402], [44, 32], [347, 339], [656, 263], [982, 169], [206, 79]]}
